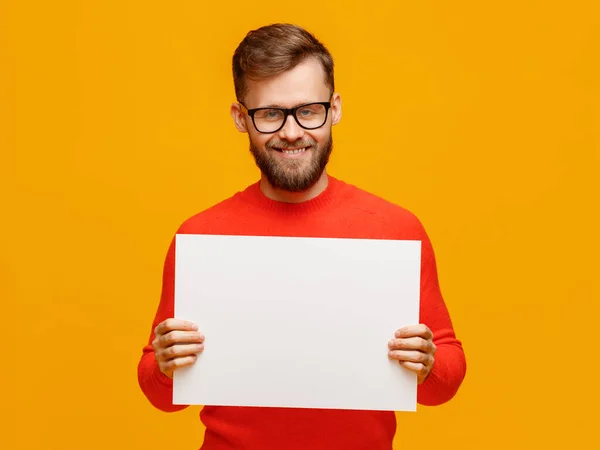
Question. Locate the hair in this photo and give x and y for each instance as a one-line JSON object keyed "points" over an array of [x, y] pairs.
{"points": [[274, 49]]}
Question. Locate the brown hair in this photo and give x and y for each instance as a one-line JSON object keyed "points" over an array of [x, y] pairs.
{"points": [[273, 49]]}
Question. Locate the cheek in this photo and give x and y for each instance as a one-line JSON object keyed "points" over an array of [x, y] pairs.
{"points": [[320, 136], [258, 139]]}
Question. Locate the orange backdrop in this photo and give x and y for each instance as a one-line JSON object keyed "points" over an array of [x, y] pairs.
{"points": [[481, 117]]}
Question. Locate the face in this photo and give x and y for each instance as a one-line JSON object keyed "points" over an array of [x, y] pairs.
{"points": [[293, 158]]}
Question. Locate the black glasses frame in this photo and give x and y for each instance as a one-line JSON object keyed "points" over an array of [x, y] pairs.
{"points": [[288, 112]]}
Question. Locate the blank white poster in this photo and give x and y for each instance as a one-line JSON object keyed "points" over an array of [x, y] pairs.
{"points": [[297, 322]]}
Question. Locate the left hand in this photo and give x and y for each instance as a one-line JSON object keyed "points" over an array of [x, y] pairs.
{"points": [[414, 349]]}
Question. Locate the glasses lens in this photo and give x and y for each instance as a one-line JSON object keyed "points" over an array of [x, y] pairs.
{"points": [[312, 116], [268, 120]]}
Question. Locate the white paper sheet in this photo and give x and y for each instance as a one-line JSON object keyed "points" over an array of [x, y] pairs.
{"points": [[297, 322]]}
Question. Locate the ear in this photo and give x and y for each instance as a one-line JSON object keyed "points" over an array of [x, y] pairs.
{"points": [[239, 118], [336, 108]]}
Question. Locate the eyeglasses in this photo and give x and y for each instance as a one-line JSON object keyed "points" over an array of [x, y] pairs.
{"points": [[309, 116]]}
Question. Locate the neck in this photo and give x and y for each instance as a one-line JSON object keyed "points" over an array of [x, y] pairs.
{"points": [[280, 195]]}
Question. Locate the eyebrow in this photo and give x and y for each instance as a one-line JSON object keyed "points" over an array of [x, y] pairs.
{"points": [[276, 105]]}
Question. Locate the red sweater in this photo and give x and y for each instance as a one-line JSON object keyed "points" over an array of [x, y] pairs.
{"points": [[341, 211]]}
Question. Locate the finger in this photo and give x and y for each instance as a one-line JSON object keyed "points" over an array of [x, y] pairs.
{"points": [[420, 330], [179, 351], [177, 363], [174, 324], [180, 337], [418, 368], [409, 356], [413, 343]]}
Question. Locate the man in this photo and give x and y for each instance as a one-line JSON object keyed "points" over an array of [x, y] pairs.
{"points": [[287, 105]]}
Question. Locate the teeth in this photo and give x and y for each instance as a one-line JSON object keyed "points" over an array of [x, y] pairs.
{"points": [[294, 152]]}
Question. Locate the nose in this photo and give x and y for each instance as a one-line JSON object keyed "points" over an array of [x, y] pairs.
{"points": [[291, 131]]}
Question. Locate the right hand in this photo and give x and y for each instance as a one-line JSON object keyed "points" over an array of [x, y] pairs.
{"points": [[176, 344]]}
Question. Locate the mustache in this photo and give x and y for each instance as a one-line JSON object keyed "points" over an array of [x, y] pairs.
{"points": [[285, 145]]}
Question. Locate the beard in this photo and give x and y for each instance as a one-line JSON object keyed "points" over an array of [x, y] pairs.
{"points": [[292, 175]]}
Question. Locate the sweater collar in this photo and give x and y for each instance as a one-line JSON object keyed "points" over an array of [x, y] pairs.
{"points": [[253, 194]]}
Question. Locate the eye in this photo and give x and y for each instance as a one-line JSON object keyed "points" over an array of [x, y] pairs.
{"points": [[305, 112], [268, 114]]}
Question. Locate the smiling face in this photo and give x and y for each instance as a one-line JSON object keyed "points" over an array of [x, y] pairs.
{"points": [[292, 159]]}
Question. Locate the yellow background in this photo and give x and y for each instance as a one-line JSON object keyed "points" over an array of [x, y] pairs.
{"points": [[481, 117]]}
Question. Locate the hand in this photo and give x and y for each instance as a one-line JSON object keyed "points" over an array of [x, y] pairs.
{"points": [[176, 344], [414, 349]]}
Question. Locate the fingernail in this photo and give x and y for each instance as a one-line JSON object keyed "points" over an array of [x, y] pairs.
{"points": [[391, 343]]}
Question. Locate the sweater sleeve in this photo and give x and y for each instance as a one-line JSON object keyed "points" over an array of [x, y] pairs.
{"points": [[450, 366], [157, 387]]}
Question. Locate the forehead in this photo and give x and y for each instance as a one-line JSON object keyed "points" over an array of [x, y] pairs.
{"points": [[303, 84]]}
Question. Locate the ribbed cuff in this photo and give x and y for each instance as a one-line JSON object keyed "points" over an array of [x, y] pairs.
{"points": [[162, 378], [431, 392]]}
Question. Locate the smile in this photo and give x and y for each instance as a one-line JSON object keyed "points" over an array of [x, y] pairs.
{"points": [[293, 151]]}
